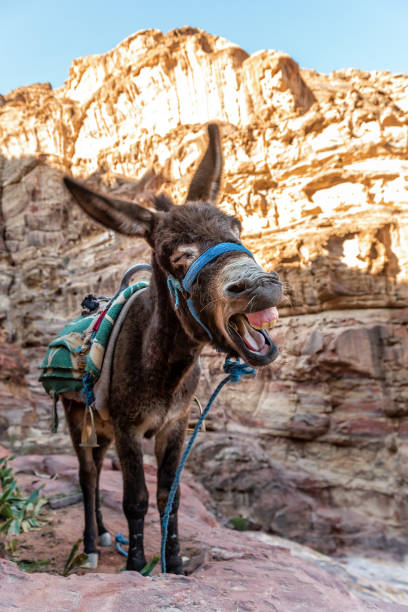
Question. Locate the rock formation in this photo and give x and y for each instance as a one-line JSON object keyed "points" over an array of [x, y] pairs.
{"points": [[316, 167], [227, 570]]}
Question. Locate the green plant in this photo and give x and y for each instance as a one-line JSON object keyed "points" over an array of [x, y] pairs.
{"points": [[11, 546], [18, 513], [150, 565], [73, 561], [239, 523], [31, 565]]}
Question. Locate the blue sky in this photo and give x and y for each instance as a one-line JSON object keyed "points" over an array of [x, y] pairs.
{"points": [[39, 38]]}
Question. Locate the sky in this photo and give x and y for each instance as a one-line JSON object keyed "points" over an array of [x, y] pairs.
{"points": [[39, 38]]}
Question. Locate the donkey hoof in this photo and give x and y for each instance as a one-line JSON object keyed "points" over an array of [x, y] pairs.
{"points": [[135, 563], [91, 562], [175, 566], [105, 539]]}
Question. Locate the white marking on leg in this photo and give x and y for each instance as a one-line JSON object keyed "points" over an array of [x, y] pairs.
{"points": [[105, 539], [91, 562]]}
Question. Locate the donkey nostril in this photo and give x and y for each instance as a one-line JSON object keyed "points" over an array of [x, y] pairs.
{"points": [[238, 287]]}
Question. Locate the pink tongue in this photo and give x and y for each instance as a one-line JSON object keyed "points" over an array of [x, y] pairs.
{"points": [[263, 316], [254, 340]]}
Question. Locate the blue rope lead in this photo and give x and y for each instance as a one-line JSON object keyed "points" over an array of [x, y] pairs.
{"points": [[235, 371], [120, 539]]}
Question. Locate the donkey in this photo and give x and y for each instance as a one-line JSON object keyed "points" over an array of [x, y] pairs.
{"points": [[230, 302]]}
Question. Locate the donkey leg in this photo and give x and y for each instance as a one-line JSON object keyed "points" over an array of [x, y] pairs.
{"points": [[87, 479], [169, 443], [135, 494], [99, 453]]}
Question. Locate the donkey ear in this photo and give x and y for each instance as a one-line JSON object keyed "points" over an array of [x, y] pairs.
{"points": [[120, 215], [205, 183]]}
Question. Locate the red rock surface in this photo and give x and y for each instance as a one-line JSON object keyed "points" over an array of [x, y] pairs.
{"points": [[231, 570], [4, 452]]}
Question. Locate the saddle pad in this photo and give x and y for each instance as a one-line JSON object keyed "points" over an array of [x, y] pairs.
{"points": [[80, 347]]}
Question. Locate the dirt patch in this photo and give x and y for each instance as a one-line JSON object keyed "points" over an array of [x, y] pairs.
{"points": [[54, 541], [49, 547]]}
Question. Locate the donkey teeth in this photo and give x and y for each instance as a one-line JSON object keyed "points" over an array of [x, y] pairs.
{"points": [[265, 325]]}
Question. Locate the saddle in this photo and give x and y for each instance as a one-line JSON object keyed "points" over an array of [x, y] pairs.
{"points": [[74, 358]]}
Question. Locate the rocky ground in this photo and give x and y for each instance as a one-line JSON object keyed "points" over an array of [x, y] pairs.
{"points": [[227, 569]]}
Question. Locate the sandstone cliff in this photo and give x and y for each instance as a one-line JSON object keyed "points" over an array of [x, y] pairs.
{"points": [[316, 167]]}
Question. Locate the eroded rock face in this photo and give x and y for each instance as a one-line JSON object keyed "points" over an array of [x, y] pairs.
{"points": [[315, 168], [306, 505], [13, 388]]}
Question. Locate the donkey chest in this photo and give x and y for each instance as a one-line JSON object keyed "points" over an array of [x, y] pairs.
{"points": [[148, 418], [149, 408]]}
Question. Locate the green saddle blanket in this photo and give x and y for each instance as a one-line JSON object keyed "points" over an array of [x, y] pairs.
{"points": [[80, 347]]}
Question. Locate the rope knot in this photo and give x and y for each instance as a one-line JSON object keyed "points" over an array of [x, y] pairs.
{"points": [[87, 389], [237, 370]]}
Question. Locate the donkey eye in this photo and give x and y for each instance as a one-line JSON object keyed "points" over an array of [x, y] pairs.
{"points": [[179, 258], [185, 255]]}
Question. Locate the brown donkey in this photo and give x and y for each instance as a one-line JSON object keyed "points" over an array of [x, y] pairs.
{"points": [[230, 302]]}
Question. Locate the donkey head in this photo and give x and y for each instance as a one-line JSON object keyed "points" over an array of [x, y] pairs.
{"points": [[228, 298]]}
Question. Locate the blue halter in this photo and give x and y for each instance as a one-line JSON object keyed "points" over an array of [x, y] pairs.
{"points": [[176, 288]]}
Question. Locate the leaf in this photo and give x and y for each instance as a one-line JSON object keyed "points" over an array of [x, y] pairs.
{"points": [[6, 474], [15, 526], [77, 562], [150, 565], [70, 559], [8, 491], [40, 503], [5, 526], [6, 511], [33, 496]]}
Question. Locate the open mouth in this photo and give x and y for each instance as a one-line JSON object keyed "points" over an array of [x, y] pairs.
{"points": [[250, 332]]}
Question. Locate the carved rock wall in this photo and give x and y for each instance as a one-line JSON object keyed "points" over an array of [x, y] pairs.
{"points": [[316, 167]]}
